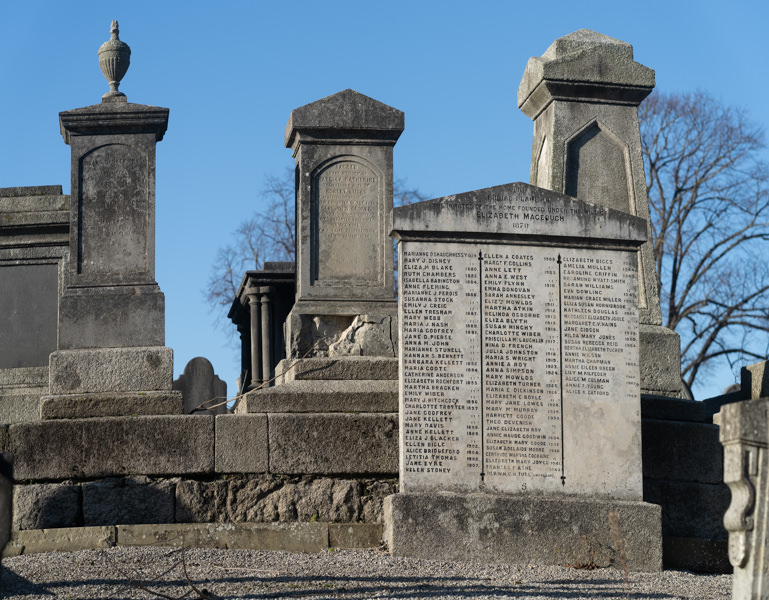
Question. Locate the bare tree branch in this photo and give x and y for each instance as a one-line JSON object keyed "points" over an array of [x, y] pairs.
{"points": [[709, 205]]}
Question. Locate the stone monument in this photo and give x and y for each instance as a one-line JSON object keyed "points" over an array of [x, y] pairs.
{"points": [[343, 147], [111, 359], [583, 95], [745, 438], [520, 424], [34, 238]]}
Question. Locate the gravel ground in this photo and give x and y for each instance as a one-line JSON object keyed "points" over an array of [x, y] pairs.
{"points": [[151, 572]]}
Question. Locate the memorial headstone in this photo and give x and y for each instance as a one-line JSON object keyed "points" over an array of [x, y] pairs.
{"points": [[518, 316], [583, 95], [34, 235], [202, 390], [112, 312]]}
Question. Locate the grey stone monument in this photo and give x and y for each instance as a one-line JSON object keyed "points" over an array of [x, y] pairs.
{"points": [[202, 390], [34, 237], [583, 95], [112, 312], [520, 424], [745, 437], [343, 147]]}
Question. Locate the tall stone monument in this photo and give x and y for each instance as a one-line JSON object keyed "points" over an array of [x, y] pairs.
{"points": [[111, 359], [343, 147], [583, 95], [520, 424]]}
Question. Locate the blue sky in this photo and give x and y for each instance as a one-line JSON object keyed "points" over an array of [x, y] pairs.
{"points": [[231, 72]]}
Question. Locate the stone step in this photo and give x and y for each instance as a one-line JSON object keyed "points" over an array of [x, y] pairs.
{"points": [[347, 368], [367, 395]]}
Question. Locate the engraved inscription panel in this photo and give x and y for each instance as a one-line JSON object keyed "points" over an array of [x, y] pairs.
{"points": [[348, 232], [513, 359], [113, 211]]}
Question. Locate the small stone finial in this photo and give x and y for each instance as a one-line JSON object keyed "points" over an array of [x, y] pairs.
{"points": [[114, 59]]}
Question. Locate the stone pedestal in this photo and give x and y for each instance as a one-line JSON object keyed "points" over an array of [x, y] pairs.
{"points": [[583, 95], [111, 358]]}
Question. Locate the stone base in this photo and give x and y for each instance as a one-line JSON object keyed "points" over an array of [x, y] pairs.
{"points": [[336, 369], [332, 329], [110, 404], [111, 370], [659, 354], [323, 396], [20, 392], [112, 317], [541, 530]]}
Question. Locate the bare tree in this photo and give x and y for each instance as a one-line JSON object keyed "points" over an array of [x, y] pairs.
{"points": [[709, 203], [268, 236]]}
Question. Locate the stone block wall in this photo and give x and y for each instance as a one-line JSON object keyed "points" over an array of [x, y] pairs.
{"points": [[683, 473]]}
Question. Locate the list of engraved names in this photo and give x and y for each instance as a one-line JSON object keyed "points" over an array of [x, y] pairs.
{"points": [[499, 343]]}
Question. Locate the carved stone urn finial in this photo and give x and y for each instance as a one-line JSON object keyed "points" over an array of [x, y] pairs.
{"points": [[114, 58]]}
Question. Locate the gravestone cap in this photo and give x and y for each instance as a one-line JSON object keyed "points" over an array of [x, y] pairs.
{"points": [[114, 118], [581, 66], [346, 114]]}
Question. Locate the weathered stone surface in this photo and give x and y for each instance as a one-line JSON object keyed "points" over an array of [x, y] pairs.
{"points": [[241, 444], [660, 348], [691, 510], [682, 451], [694, 554], [69, 539], [369, 334], [290, 537], [201, 501], [111, 370], [349, 368], [127, 500], [524, 529], [103, 447], [270, 498], [333, 443], [46, 506], [323, 396], [744, 433], [354, 535], [87, 317], [201, 388], [110, 404], [519, 351]]}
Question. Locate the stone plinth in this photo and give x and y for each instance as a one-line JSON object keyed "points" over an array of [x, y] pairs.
{"points": [[343, 147], [540, 530], [112, 313], [583, 95]]}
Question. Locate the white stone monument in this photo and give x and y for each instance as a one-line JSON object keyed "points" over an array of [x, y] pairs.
{"points": [[520, 425]]}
